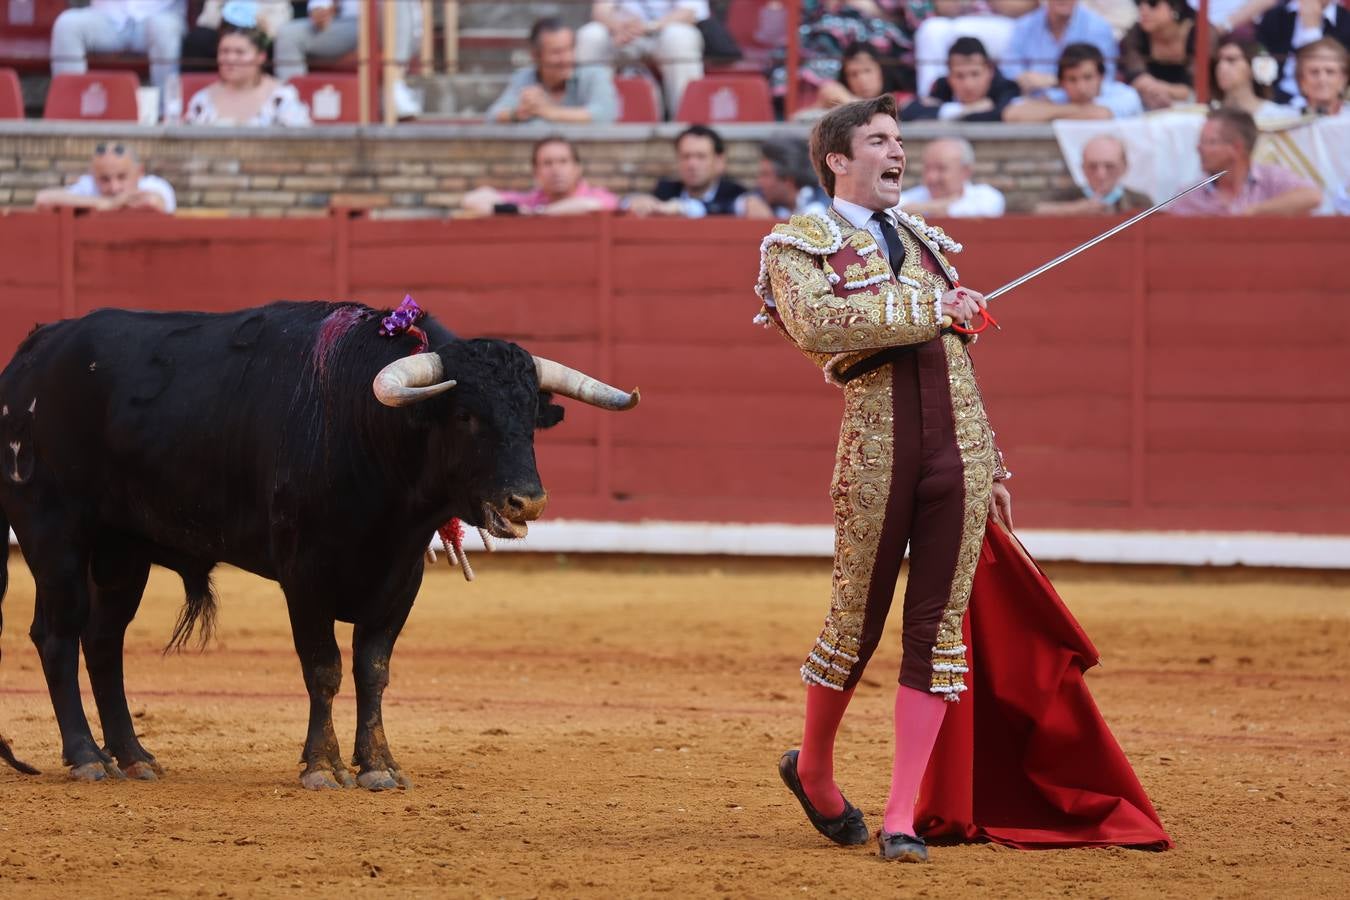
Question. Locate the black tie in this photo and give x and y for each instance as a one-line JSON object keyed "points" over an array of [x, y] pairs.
{"points": [[894, 249]]}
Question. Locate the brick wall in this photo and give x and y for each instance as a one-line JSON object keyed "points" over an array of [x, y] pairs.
{"points": [[425, 170]]}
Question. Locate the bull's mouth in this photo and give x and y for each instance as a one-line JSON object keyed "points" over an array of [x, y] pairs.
{"points": [[500, 526]]}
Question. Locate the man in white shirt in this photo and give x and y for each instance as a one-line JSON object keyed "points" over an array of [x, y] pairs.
{"points": [[115, 180], [152, 27], [330, 30], [632, 31], [948, 164]]}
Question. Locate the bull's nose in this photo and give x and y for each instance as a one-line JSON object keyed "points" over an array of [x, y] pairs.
{"points": [[526, 509]]}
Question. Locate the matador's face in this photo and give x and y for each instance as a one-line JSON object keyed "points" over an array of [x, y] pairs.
{"points": [[871, 177]]}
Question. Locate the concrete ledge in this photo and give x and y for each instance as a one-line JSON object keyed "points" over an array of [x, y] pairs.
{"points": [[1187, 548]]}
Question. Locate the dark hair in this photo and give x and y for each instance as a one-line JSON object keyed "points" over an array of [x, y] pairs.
{"points": [[790, 159], [255, 36], [1077, 54], [546, 25], [1250, 50], [968, 46], [1238, 123], [553, 139], [703, 131], [834, 132], [1181, 10]]}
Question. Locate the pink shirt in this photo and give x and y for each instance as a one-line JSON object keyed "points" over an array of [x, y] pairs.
{"points": [[1263, 183], [535, 199]]}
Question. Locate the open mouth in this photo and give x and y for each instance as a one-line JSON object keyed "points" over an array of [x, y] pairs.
{"points": [[891, 177], [500, 526]]}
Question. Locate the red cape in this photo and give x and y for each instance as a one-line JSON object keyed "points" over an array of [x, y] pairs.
{"points": [[1025, 759]]}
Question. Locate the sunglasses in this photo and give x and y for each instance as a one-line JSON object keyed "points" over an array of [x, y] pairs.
{"points": [[115, 149], [1151, 2]]}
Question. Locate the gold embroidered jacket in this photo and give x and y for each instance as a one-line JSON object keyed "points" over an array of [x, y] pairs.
{"points": [[828, 287]]}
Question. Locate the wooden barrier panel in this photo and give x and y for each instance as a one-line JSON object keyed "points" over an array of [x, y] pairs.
{"points": [[1186, 375]]}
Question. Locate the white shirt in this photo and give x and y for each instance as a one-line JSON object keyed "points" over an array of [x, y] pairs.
{"points": [[655, 10], [347, 9], [861, 217], [85, 187], [976, 200], [120, 12], [1303, 36]]}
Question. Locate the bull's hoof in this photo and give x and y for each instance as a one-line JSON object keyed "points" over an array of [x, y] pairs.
{"points": [[383, 780], [143, 771], [95, 771]]}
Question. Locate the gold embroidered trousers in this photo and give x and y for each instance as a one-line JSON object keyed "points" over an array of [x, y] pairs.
{"points": [[915, 468]]}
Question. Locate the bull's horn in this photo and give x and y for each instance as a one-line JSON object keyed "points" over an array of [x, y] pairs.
{"points": [[560, 379], [411, 379]]}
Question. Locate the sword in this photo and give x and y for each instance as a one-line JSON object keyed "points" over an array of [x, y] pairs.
{"points": [[1063, 257]]}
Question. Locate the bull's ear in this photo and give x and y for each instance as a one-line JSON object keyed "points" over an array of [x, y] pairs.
{"points": [[550, 413]]}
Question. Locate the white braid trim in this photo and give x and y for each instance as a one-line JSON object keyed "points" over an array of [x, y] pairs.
{"points": [[948, 667], [762, 288], [812, 678], [866, 282], [958, 650], [932, 232]]}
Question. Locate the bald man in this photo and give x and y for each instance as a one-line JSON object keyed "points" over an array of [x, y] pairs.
{"points": [[948, 164], [1103, 191], [115, 180]]}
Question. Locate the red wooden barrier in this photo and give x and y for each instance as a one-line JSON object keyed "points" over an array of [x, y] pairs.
{"points": [[1187, 375]]}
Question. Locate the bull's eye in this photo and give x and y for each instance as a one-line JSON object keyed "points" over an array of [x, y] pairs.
{"points": [[463, 417]]}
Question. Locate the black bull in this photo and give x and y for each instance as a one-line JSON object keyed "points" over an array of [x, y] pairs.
{"points": [[292, 440]]}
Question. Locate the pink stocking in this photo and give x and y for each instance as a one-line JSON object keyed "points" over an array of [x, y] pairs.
{"points": [[918, 716], [815, 763]]}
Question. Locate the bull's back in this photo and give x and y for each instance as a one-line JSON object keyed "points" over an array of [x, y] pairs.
{"points": [[165, 424]]}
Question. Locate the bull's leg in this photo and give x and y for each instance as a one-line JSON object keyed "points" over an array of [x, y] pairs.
{"points": [[371, 648], [60, 613], [118, 577], [321, 662]]}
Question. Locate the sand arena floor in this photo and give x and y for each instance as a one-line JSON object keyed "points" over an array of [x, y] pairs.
{"points": [[610, 727]]}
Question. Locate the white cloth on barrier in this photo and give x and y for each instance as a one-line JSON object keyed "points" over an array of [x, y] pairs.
{"points": [[1163, 159]]}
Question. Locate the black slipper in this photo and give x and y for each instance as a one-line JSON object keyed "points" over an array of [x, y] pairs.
{"points": [[904, 847], [848, 828]]}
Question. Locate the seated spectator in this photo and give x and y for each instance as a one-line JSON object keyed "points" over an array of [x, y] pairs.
{"points": [[1104, 166], [1320, 71], [244, 95], [152, 27], [199, 46], [1158, 53], [973, 90], [1040, 38], [948, 164], [786, 184], [863, 74], [1083, 93], [1243, 74], [1227, 140], [830, 27], [1294, 24], [115, 180], [559, 188], [700, 190], [554, 89], [329, 31], [953, 19], [660, 31]]}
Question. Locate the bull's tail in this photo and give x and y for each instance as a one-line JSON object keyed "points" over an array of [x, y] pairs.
{"points": [[5, 753], [199, 610]]}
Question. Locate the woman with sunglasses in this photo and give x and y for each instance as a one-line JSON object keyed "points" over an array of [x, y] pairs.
{"points": [[245, 94], [1157, 54]]}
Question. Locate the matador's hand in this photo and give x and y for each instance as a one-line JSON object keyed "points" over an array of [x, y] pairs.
{"points": [[962, 304], [1001, 508]]}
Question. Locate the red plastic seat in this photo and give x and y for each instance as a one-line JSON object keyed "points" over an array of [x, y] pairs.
{"points": [[192, 82], [744, 19], [719, 98], [93, 96], [11, 98], [26, 32], [339, 96], [638, 100]]}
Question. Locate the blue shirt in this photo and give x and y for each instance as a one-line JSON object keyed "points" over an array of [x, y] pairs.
{"points": [[1032, 48], [1121, 99]]}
